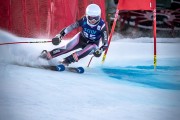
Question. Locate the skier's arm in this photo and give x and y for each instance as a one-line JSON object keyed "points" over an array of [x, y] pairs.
{"points": [[104, 38], [57, 39], [71, 27], [68, 29], [104, 46]]}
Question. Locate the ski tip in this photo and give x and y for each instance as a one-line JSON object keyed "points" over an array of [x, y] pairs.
{"points": [[80, 70], [76, 69], [60, 67]]}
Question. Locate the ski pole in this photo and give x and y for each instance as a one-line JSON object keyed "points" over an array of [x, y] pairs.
{"points": [[25, 42], [90, 61]]}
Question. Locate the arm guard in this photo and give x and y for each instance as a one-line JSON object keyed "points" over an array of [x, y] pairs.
{"points": [[104, 38], [69, 28]]}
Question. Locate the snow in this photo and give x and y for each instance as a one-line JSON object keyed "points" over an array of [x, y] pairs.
{"points": [[125, 87]]}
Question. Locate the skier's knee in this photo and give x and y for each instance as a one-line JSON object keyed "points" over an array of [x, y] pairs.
{"points": [[72, 58]]}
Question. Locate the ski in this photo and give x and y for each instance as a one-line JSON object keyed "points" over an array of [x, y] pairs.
{"points": [[76, 69], [55, 68], [62, 67]]}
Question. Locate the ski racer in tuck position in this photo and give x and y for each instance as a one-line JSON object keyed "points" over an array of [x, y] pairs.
{"points": [[93, 30]]}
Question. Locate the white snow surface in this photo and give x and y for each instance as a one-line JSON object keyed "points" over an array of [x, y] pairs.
{"points": [[101, 93]]}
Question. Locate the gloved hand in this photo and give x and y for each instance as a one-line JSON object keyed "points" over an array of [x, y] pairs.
{"points": [[98, 52], [57, 39], [104, 47]]}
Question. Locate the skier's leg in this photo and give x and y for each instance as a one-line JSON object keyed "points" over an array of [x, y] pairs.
{"points": [[73, 44], [89, 49]]}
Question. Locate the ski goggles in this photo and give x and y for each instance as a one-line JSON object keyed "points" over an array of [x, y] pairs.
{"points": [[93, 18]]}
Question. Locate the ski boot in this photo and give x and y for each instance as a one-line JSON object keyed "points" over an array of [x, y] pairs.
{"points": [[65, 62], [70, 59], [45, 55]]}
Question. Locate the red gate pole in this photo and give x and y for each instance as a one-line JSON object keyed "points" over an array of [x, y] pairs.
{"points": [[154, 33], [110, 36]]}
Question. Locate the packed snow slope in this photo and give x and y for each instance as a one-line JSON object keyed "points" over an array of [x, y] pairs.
{"points": [[125, 87]]}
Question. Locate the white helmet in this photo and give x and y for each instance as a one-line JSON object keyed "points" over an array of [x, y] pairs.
{"points": [[93, 14]]}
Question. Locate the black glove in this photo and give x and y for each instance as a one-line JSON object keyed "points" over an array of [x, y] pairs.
{"points": [[104, 47], [57, 39], [98, 52]]}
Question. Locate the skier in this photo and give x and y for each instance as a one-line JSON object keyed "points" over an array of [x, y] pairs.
{"points": [[93, 29]]}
